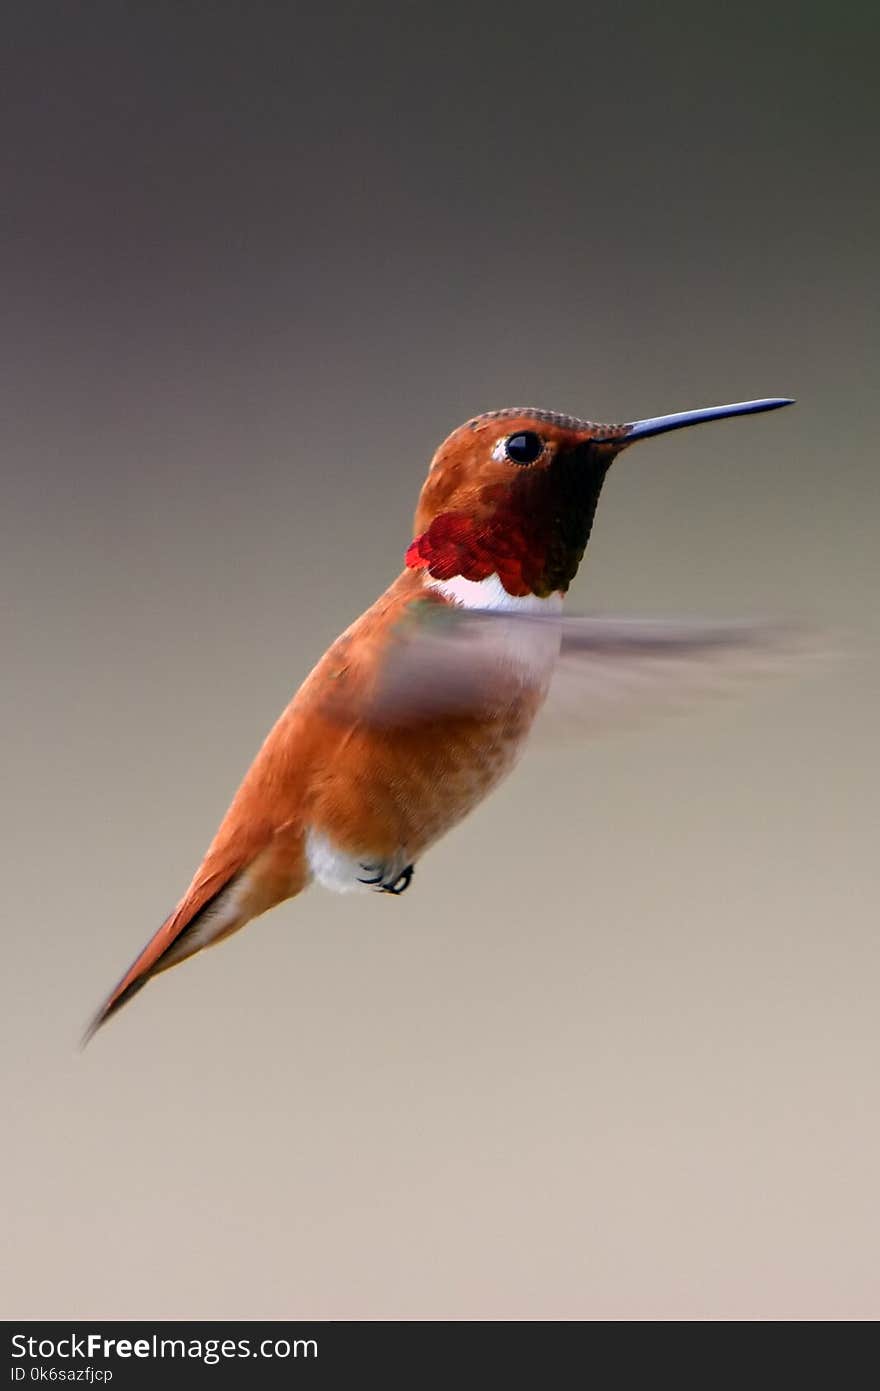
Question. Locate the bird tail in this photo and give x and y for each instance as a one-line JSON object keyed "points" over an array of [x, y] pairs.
{"points": [[237, 880], [206, 914]]}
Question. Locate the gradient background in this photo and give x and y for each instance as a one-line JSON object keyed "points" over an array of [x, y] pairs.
{"points": [[616, 1054]]}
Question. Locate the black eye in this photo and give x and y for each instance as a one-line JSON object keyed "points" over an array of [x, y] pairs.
{"points": [[524, 449]]}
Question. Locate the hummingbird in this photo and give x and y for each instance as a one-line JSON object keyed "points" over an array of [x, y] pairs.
{"points": [[421, 707]]}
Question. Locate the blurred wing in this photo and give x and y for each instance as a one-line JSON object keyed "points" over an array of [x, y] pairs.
{"points": [[444, 662], [615, 671], [608, 670]]}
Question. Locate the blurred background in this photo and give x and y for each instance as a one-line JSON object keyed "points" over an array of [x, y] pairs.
{"points": [[615, 1055]]}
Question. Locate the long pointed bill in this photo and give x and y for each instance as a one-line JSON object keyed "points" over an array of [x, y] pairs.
{"points": [[659, 424]]}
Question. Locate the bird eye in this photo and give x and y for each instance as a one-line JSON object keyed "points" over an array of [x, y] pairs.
{"points": [[524, 448]]}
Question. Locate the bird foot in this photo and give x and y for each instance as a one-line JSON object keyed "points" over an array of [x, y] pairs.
{"points": [[398, 885], [401, 883]]}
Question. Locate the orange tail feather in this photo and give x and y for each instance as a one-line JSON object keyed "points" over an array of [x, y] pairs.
{"points": [[217, 904]]}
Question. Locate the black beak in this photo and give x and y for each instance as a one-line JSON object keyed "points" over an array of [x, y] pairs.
{"points": [[659, 424]]}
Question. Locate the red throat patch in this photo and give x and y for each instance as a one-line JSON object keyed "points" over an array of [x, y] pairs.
{"points": [[456, 545]]}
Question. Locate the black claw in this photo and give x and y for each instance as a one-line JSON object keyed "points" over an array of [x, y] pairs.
{"points": [[401, 883]]}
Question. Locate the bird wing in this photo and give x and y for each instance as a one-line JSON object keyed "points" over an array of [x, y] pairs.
{"points": [[457, 662], [626, 671]]}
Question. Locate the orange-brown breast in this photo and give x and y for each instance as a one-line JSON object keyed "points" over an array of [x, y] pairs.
{"points": [[375, 788]]}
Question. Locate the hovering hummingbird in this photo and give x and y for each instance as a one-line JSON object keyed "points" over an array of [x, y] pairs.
{"points": [[422, 706]]}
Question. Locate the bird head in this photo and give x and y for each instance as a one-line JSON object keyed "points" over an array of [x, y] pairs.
{"points": [[513, 493]]}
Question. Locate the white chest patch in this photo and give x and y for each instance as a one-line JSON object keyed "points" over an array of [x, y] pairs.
{"points": [[491, 594], [530, 647]]}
